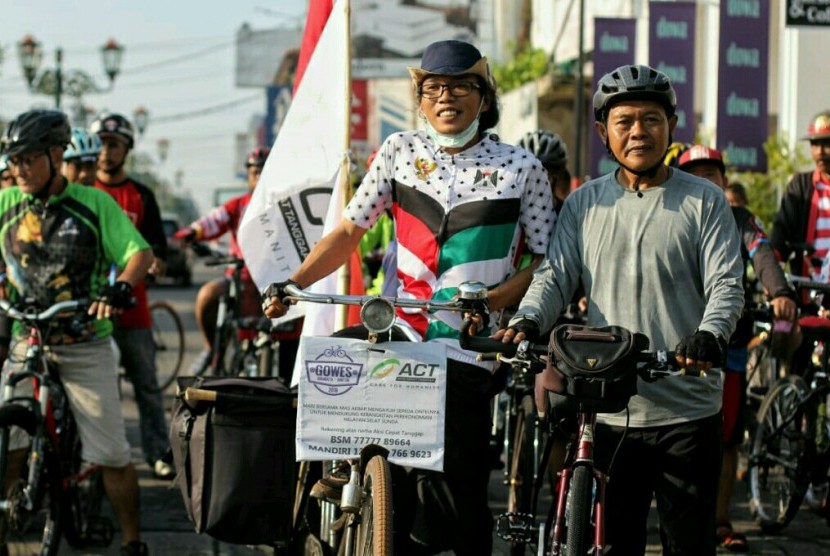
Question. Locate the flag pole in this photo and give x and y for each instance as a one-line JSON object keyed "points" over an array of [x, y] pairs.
{"points": [[344, 274]]}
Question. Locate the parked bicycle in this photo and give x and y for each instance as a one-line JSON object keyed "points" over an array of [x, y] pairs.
{"points": [[524, 441], [168, 337], [361, 521], [615, 358], [242, 345], [49, 491], [791, 442]]}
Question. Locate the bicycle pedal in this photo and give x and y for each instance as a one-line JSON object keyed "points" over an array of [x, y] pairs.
{"points": [[516, 527]]}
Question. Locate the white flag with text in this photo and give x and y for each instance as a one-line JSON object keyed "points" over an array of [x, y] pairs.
{"points": [[289, 207]]}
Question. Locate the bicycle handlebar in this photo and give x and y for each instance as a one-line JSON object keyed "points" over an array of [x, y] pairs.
{"points": [[652, 365], [216, 258], [29, 315], [804, 283], [298, 294]]}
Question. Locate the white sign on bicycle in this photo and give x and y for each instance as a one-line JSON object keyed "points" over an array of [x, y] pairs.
{"points": [[353, 393]]}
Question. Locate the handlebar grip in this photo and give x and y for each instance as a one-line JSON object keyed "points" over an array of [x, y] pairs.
{"points": [[486, 345], [199, 395]]}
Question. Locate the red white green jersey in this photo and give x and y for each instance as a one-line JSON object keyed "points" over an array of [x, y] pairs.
{"points": [[467, 216]]}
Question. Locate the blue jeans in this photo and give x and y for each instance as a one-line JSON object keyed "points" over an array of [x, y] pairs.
{"points": [[138, 357]]}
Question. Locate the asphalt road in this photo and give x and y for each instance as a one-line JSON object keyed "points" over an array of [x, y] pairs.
{"points": [[166, 529]]}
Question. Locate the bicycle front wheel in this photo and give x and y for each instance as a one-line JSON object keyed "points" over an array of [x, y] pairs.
{"points": [[37, 530], [778, 472], [168, 337], [374, 532], [578, 522]]}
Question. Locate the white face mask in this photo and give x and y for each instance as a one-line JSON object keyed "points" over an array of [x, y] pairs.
{"points": [[453, 141]]}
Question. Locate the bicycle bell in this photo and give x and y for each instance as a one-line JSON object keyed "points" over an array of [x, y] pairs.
{"points": [[472, 290], [378, 315]]}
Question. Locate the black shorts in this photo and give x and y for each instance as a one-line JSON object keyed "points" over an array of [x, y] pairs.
{"points": [[679, 465]]}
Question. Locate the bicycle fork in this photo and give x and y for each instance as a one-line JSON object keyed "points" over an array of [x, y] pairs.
{"points": [[584, 457]]}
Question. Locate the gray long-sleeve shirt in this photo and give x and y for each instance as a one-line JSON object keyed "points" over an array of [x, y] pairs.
{"points": [[664, 264]]}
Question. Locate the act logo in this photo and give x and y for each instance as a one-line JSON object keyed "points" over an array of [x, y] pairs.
{"points": [[384, 368], [333, 372]]}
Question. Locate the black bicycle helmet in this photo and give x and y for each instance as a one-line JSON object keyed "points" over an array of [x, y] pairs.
{"points": [[633, 83], [35, 130], [115, 124], [257, 157], [547, 146]]}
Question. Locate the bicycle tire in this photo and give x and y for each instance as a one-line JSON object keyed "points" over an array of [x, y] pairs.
{"points": [[225, 348], [37, 532], [522, 471], [374, 532], [578, 523], [169, 340], [84, 525], [265, 359], [778, 466]]}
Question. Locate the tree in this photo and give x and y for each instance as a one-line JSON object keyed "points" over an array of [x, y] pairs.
{"points": [[765, 190], [528, 65]]}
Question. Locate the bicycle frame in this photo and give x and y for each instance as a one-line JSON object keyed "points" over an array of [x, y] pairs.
{"points": [[46, 415]]}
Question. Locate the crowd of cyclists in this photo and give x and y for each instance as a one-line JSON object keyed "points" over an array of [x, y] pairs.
{"points": [[660, 246]]}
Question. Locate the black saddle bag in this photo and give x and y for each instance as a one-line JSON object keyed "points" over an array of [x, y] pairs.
{"points": [[599, 367], [234, 458]]}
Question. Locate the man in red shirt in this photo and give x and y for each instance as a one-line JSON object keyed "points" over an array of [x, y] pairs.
{"points": [[216, 223], [133, 333]]}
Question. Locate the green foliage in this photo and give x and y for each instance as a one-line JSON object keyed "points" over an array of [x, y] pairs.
{"points": [[765, 190], [526, 66]]}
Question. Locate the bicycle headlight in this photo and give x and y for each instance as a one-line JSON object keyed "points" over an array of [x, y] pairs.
{"points": [[378, 315]]}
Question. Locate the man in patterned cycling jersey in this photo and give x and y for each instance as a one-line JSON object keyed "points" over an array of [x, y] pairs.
{"points": [[58, 241], [464, 205]]}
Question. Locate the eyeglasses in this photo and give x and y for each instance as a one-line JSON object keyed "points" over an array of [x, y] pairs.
{"points": [[27, 160], [434, 91]]}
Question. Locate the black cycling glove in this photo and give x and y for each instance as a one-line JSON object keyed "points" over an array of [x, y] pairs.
{"points": [[277, 289], [530, 329], [118, 295], [702, 346]]}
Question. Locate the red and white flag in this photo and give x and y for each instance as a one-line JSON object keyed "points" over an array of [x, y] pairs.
{"points": [[294, 199]]}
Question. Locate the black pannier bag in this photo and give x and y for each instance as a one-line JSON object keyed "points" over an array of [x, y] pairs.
{"points": [[234, 458], [598, 364]]}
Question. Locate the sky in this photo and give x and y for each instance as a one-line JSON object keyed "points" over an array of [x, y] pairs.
{"points": [[179, 60]]}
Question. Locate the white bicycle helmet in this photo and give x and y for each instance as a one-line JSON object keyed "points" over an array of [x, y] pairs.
{"points": [[83, 147], [547, 146]]}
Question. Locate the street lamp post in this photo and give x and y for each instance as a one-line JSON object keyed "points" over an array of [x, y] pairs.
{"points": [[141, 117], [55, 82]]}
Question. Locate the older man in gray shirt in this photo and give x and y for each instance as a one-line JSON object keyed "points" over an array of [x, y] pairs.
{"points": [[658, 253]]}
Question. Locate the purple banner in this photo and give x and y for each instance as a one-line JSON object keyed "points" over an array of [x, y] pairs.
{"points": [[671, 47], [614, 45], [743, 124]]}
